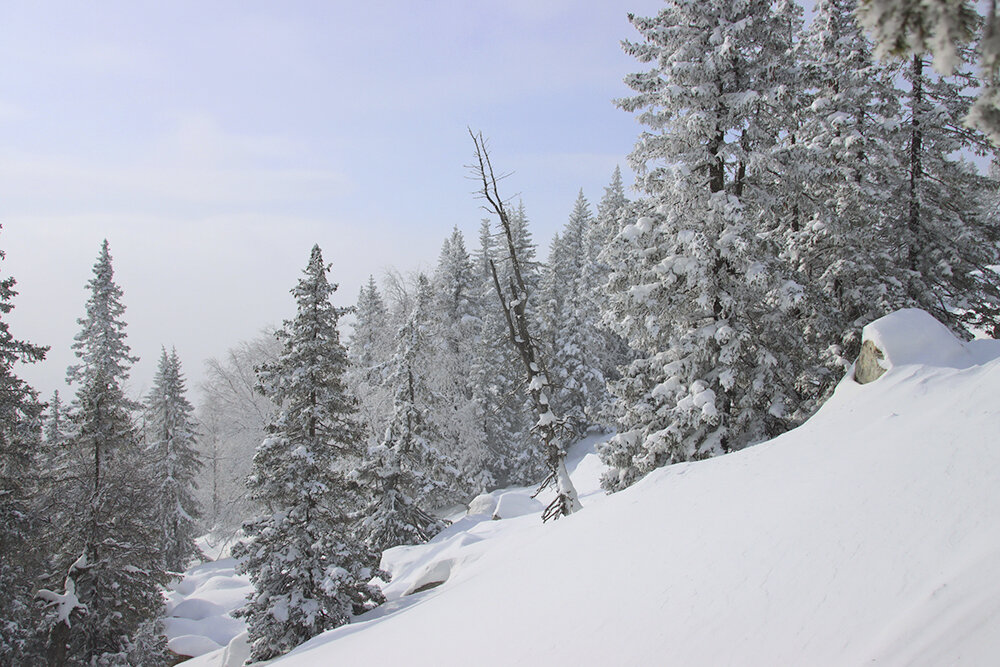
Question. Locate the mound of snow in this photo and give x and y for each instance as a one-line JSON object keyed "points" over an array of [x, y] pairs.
{"points": [[192, 645], [198, 608], [511, 505], [913, 337], [484, 503]]}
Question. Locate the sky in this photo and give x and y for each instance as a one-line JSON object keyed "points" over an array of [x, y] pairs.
{"points": [[214, 143]]}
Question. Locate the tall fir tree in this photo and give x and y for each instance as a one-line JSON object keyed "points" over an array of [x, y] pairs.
{"points": [[108, 545], [457, 322], [513, 456], [407, 472], [947, 242], [20, 440], [611, 350], [696, 289], [171, 446], [836, 177], [310, 573], [568, 323], [369, 348]]}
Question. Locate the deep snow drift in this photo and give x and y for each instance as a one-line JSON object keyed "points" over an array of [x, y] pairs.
{"points": [[870, 533]]}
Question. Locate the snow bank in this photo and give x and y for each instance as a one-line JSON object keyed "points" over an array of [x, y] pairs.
{"points": [[199, 605]]}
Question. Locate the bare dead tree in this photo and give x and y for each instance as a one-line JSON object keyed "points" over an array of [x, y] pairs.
{"points": [[550, 428]]}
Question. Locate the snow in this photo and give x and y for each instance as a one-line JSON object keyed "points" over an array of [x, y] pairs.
{"points": [[192, 645], [913, 337], [869, 534], [198, 608], [65, 603], [484, 503], [515, 504]]}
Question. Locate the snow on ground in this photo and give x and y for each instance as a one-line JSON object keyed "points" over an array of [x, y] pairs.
{"points": [[198, 606], [870, 534]]}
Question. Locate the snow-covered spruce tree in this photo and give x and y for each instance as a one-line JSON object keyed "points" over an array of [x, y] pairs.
{"points": [[514, 299], [612, 352], [513, 456], [309, 571], [457, 322], [944, 238], [407, 472], [570, 332], [368, 350], [608, 221], [837, 178], [55, 423], [106, 537], [697, 290], [171, 448], [20, 439]]}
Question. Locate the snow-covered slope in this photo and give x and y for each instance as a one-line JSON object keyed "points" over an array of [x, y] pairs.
{"points": [[870, 533]]}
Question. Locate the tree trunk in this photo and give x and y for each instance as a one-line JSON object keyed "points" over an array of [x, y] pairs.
{"points": [[916, 169]]}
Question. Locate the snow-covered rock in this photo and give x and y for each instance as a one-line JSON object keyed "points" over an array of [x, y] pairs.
{"points": [[913, 337], [484, 503], [511, 505]]}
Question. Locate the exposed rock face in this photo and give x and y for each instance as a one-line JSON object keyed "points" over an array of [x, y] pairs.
{"points": [[867, 369]]}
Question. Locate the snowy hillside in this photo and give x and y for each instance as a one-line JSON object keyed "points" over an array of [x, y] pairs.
{"points": [[870, 533]]}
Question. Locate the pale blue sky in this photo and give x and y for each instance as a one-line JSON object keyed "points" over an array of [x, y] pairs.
{"points": [[213, 143]]}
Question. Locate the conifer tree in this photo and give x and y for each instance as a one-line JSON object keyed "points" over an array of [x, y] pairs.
{"points": [[947, 241], [172, 449], [512, 455], [108, 543], [696, 290], [368, 351], [457, 322], [837, 179], [55, 424], [309, 572], [610, 350], [406, 471], [569, 322], [20, 439]]}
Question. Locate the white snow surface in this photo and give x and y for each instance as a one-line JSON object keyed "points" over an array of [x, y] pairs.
{"points": [[198, 608], [869, 534]]}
